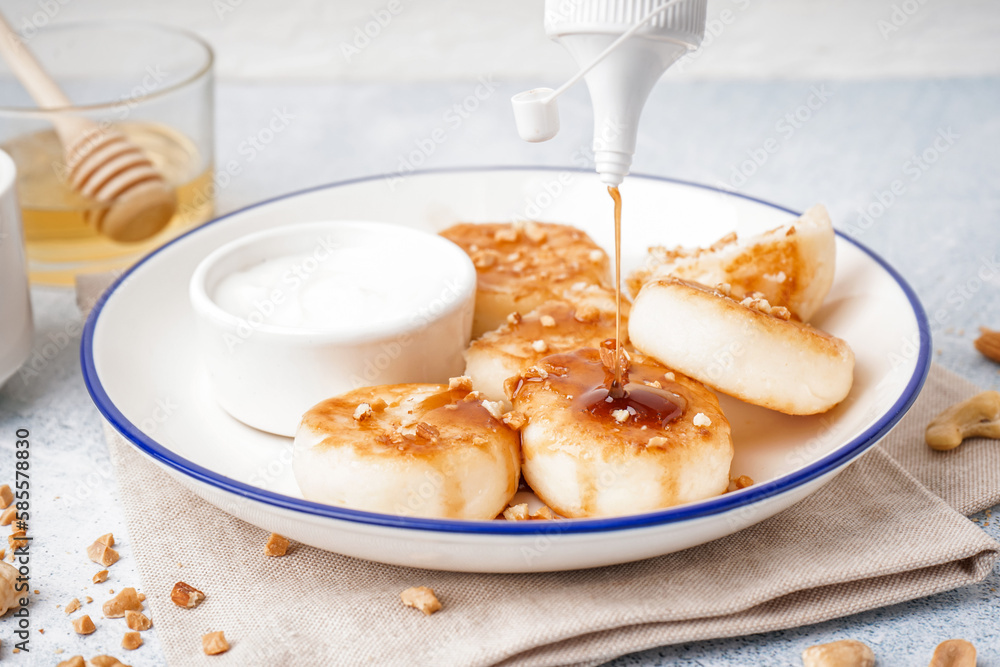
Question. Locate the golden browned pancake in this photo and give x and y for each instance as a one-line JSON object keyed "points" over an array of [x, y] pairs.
{"points": [[747, 349], [412, 449], [521, 266], [585, 320], [585, 456], [791, 266]]}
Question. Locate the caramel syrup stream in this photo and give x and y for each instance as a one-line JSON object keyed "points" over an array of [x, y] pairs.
{"points": [[618, 387]]}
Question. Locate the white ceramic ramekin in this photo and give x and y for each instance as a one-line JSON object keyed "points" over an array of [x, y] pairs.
{"points": [[16, 328], [267, 375]]}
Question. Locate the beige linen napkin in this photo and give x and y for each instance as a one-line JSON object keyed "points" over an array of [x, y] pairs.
{"points": [[874, 536]]}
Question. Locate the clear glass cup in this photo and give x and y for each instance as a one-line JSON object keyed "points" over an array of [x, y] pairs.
{"points": [[153, 83]]}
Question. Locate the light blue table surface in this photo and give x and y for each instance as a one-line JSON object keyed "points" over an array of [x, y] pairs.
{"points": [[942, 233]]}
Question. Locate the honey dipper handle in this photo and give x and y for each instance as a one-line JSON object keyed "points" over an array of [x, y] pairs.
{"points": [[46, 93]]}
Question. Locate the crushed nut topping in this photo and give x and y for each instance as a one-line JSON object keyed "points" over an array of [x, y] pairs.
{"points": [[117, 606], [701, 419], [514, 318], [543, 513], [507, 234], [655, 384], [136, 620], [427, 431], [762, 305], [378, 405], [514, 419], [657, 441], [422, 598], [8, 516], [276, 546], [670, 376], [131, 641], [725, 289], [214, 643], [539, 345], [73, 605], [186, 596], [362, 412], [596, 255], [460, 383], [587, 314], [535, 233], [100, 577], [534, 372], [83, 625], [494, 408], [547, 321], [102, 554], [485, 259], [516, 512], [621, 416]]}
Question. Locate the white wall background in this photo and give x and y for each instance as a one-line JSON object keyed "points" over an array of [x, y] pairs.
{"points": [[433, 40]]}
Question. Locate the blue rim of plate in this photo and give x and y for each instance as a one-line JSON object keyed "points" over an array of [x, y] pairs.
{"points": [[713, 506]]}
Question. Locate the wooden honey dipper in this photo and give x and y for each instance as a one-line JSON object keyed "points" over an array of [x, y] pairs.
{"points": [[101, 163]]}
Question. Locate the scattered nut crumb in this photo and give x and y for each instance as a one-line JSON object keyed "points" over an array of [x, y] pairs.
{"points": [[543, 513], [378, 405], [6, 497], [83, 625], [214, 643], [514, 318], [587, 314], [657, 441], [41, 631], [73, 605], [422, 598], [105, 661], [655, 384], [362, 412], [621, 416], [514, 513], [276, 545], [507, 234], [988, 344], [742, 482], [539, 345], [460, 383], [142, 597], [8, 516], [131, 641], [514, 419], [136, 620], [88, 599], [186, 596], [15, 542], [547, 321], [669, 375], [954, 653], [119, 604], [107, 539], [701, 419], [494, 408], [844, 652], [535, 233], [102, 554], [75, 661]]}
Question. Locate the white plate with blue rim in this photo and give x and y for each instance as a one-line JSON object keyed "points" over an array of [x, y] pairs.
{"points": [[140, 352]]}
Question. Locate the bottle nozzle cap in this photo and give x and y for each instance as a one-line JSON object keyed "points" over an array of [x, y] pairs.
{"points": [[536, 114]]}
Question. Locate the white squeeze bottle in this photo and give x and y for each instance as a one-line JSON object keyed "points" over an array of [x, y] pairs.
{"points": [[623, 48]]}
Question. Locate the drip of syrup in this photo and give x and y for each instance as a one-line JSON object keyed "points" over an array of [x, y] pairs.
{"points": [[617, 389]]}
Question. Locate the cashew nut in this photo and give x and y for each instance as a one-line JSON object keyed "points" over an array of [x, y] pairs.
{"points": [[954, 653], [978, 416], [845, 653], [8, 580]]}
